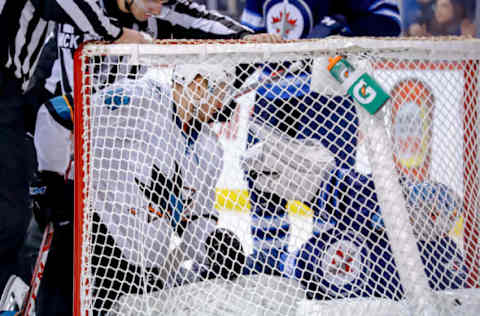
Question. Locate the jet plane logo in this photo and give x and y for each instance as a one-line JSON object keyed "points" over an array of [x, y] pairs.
{"points": [[277, 23], [285, 19]]}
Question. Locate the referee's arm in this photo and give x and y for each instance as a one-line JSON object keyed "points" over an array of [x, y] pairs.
{"points": [[189, 20], [84, 14]]}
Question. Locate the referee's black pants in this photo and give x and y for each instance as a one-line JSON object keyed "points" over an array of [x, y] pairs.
{"points": [[16, 165]]}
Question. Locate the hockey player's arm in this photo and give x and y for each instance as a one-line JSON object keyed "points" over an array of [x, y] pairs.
{"points": [[193, 21], [51, 191], [381, 21], [252, 16], [330, 25], [375, 25], [53, 135], [373, 17]]}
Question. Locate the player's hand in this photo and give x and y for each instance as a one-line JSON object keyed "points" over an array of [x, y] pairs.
{"points": [[53, 198], [130, 36], [264, 38]]}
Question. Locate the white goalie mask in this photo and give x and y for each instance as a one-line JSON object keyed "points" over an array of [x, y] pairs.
{"points": [[433, 208], [219, 83]]}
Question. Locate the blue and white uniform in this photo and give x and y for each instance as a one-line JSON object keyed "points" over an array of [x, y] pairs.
{"points": [[294, 109], [355, 258], [304, 17], [346, 264]]}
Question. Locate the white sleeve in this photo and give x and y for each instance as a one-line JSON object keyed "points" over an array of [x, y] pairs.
{"points": [[53, 143]]}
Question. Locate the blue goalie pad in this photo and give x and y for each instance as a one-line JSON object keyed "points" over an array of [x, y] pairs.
{"points": [[384, 278]]}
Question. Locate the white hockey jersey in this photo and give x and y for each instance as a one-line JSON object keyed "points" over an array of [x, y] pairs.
{"points": [[139, 156]]}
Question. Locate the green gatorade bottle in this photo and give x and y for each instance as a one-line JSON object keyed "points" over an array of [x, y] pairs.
{"points": [[359, 85]]}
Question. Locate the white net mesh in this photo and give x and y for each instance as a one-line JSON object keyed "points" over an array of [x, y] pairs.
{"points": [[231, 178]]}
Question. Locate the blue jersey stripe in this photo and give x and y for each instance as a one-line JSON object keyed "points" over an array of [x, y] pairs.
{"points": [[60, 108]]}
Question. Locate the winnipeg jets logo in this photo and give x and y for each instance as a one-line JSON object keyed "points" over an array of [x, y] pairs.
{"points": [[342, 263], [277, 23], [286, 20]]}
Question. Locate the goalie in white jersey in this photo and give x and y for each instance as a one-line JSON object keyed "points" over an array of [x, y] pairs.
{"points": [[155, 164]]}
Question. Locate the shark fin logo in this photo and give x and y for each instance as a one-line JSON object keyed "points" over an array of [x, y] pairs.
{"points": [[167, 195]]}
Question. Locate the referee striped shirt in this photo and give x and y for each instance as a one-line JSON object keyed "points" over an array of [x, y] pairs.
{"points": [[27, 23], [179, 19]]}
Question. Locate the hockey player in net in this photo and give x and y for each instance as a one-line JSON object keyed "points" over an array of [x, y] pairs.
{"points": [[353, 258], [296, 110], [302, 146], [349, 253], [166, 188]]}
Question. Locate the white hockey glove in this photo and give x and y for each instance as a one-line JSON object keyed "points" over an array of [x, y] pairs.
{"points": [[292, 169]]}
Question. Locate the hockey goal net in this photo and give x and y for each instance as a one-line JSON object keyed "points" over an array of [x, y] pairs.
{"points": [[338, 211]]}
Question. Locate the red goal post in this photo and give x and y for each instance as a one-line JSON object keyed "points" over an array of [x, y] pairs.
{"points": [[406, 68]]}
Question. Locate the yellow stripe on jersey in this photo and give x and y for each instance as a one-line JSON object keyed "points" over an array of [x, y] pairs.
{"points": [[69, 106]]}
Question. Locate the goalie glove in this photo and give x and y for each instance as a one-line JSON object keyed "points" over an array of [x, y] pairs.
{"points": [[53, 198], [290, 169]]}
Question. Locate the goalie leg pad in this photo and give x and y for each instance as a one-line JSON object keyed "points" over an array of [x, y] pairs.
{"points": [[443, 264], [384, 278]]}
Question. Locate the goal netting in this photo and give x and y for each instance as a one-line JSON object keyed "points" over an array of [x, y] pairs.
{"points": [[238, 178]]}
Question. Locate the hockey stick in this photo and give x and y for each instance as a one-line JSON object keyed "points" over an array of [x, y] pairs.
{"points": [[28, 307]]}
